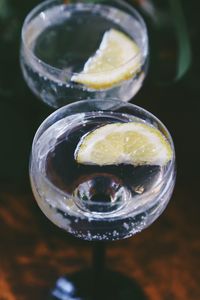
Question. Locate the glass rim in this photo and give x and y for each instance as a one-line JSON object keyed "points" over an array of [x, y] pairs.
{"points": [[37, 10], [118, 102]]}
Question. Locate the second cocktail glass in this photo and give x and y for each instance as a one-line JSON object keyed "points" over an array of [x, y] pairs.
{"points": [[75, 50]]}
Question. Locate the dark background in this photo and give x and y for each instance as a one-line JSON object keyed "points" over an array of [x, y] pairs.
{"points": [[168, 267]]}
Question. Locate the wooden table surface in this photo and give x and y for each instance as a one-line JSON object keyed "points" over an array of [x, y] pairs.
{"points": [[163, 259]]}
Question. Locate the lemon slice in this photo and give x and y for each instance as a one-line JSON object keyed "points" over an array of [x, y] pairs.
{"points": [[128, 143], [116, 60]]}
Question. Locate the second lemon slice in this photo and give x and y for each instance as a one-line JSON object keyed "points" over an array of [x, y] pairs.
{"points": [[128, 143], [117, 59]]}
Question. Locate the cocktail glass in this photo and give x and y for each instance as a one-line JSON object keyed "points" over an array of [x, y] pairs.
{"points": [[59, 37], [94, 201]]}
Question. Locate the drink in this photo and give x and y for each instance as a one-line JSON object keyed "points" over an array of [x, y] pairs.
{"points": [[94, 202], [58, 39]]}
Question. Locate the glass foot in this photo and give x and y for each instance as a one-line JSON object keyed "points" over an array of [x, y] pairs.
{"points": [[84, 285]]}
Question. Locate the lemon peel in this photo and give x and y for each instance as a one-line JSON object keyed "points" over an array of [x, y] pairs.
{"points": [[117, 59], [128, 143]]}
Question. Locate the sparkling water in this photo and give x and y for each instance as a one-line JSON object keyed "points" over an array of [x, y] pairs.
{"points": [[90, 201], [59, 40]]}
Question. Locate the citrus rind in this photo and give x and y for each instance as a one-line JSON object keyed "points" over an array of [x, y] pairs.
{"points": [[117, 59], [124, 143]]}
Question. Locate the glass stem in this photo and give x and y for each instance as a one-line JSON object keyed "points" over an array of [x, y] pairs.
{"points": [[98, 259]]}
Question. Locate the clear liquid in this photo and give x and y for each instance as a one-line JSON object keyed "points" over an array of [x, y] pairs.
{"points": [[73, 40], [94, 202], [65, 37]]}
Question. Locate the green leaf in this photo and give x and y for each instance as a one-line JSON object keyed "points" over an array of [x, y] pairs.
{"points": [[5, 9], [185, 56]]}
